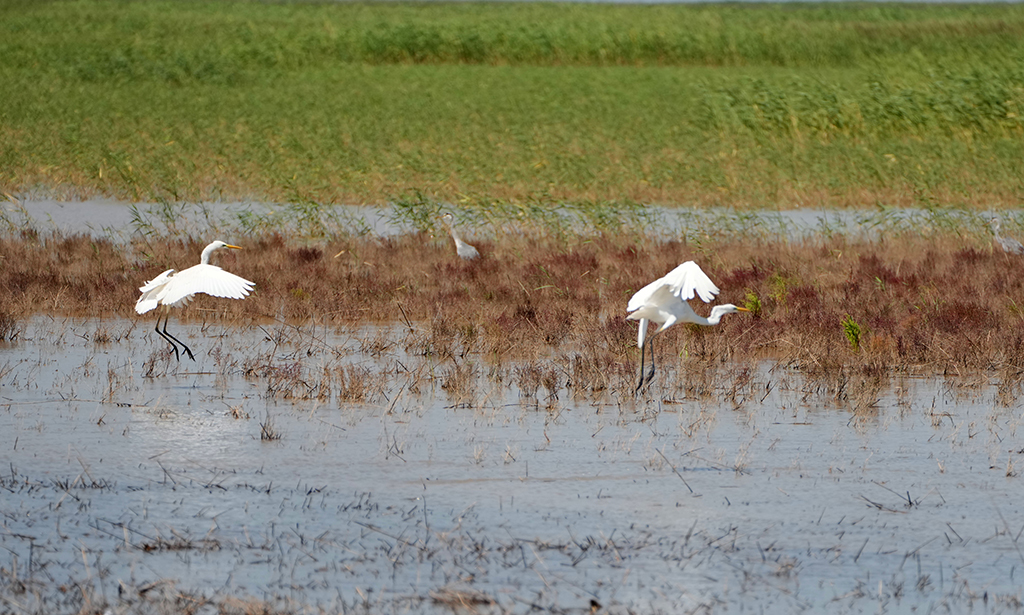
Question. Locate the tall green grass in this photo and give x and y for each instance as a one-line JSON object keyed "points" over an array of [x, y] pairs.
{"points": [[764, 105], [221, 41]]}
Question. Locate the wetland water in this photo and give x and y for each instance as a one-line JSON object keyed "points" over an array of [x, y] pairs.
{"points": [[119, 220], [134, 477]]}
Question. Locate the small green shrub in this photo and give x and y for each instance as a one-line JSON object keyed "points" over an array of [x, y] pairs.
{"points": [[852, 331], [753, 303]]}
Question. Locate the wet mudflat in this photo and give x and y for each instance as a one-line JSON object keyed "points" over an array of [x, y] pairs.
{"points": [[133, 483]]}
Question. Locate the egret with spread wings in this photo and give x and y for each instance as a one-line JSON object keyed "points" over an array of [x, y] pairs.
{"points": [[176, 289], [664, 301]]}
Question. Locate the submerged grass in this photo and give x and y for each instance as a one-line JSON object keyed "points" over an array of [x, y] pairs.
{"points": [[773, 105]]}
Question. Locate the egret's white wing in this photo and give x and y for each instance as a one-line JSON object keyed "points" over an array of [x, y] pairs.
{"points": [[157, 281], [665, 308], [208, 279], [684, 282], [151, 291], [688, 280], [657, 305], [642, 297]]}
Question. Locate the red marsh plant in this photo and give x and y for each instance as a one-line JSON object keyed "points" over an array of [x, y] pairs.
{"points": [[919, 305]]}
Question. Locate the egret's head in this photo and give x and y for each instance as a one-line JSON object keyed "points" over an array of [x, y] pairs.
{"points": [[213, 247], [728, 308], [217, 245], [448, 218]]}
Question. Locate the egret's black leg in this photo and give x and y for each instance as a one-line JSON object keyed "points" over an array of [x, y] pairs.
{"points": [[639, 385], [650, 372], [645, 379], [166, 334], [161, 334]]}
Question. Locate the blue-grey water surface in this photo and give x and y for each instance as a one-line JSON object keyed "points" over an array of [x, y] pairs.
{"points": [[120, 468]]}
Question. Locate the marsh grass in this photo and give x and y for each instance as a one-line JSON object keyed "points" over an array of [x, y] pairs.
{"points": [[158, 364], [269, 433], [460, 384], [527, 379], [545, 312], [774, 105], [9, 329]]}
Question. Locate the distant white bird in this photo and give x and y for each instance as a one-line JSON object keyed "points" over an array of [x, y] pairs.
{"points": [[1008, 244], [664, 301], [176, 289], [463, 249]]}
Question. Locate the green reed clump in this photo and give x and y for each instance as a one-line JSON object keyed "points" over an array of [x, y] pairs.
{"points": [[852, 332], [752, 303]]}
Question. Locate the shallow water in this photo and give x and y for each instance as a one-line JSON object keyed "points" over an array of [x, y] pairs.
{"points": [[786, 504], [120, 221]]}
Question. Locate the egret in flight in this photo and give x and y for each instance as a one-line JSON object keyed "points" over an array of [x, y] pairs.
{"points": [[176, 289], [463, 249], [1008, 244], [664, 301]]}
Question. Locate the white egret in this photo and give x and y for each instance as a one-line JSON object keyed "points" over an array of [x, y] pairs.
{"points": [[176, 289], [1008, 244], [664, 301], [463, 249]]}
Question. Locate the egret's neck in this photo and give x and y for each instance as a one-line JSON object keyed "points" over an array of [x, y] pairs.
{"points": [[205, 259]]}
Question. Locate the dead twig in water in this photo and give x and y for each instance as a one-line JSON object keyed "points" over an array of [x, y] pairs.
{"points": [[674, 470]]}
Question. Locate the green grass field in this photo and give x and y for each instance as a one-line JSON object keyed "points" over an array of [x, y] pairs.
{"points": [[749, 106]]}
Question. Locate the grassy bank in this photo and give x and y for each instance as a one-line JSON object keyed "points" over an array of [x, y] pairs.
{"points": [[771, 105]]}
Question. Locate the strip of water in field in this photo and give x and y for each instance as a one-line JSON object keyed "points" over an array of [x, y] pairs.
{"points": [[120, 221]]}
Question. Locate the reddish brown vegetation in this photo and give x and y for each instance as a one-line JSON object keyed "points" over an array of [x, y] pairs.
{"points": [[923, 305]]}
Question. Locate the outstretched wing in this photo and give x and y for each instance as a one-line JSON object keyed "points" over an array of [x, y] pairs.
{"points": [[688, 280], [151, 291], [657, 305], [683, 282], [208, 279]]}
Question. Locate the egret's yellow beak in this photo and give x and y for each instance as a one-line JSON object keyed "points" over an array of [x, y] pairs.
{"points": [[742, 309], [228, 245]]}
